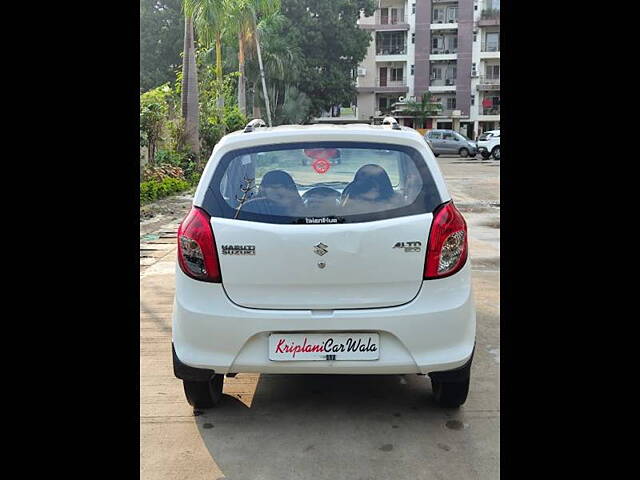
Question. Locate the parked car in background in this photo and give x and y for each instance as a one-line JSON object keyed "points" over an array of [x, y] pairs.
{"points": [[286, 268], [489, 144], [450, 142]]}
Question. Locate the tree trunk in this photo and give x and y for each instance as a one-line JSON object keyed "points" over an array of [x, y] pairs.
{"points": [[220, 99], [242, 96], [189, 96], [264, 85]]}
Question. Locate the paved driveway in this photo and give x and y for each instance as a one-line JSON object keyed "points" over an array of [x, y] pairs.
{"points": [[339, 427]]}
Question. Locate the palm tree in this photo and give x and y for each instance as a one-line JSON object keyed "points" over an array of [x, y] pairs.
{"points": [[210, 20], [281, 63], [189, 94], [244, 14], [422, 109]]}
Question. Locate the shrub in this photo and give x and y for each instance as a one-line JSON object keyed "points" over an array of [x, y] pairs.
{"points": [[154, 190]]}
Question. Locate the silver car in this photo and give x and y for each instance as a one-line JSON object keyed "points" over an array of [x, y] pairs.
{"points": [[450, 142]]}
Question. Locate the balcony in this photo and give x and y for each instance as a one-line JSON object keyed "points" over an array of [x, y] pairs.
{"points": [[386, 82], [392, 17], [495, 110], [387, 19], [490, 49], [489, 83], [443, 51], [489, 18], [391, 50], [442, 82], [386, 85]]}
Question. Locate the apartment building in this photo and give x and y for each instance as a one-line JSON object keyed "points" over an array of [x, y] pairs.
{"points": [[450, 48]]}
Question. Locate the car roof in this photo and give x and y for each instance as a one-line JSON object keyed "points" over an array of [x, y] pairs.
{"points": [[302, 133]]}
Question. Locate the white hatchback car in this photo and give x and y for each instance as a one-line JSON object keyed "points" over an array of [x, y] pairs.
{"points": [[290, 267], [489, 144]]}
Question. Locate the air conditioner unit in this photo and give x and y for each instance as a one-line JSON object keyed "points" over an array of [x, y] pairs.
{"points": [[362, 71], [474, 73]]}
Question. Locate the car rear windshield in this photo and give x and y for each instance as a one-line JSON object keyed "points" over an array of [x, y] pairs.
{"points": [[321, 182]]}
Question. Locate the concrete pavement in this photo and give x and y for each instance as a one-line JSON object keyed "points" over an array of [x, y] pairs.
{"points": [[317, 426]]}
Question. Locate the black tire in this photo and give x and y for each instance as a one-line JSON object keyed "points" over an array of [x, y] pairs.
{"points": [[486, 155], [464, 152], [436, 154], [495, 153], [450, 394], [204, 394]]}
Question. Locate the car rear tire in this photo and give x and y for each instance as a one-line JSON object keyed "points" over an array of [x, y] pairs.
{"points": [[204, 394], [450, 394], [486, 155], [495, 153], [464, 153]]}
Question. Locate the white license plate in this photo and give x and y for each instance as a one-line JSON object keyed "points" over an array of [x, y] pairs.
{"points": [[324, 346]]}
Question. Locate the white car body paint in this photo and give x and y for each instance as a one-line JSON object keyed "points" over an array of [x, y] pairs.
{"points": [[366, 285], [492, 141]]}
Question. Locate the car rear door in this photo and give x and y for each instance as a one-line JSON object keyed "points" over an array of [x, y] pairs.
{"points": [[333, 259]]}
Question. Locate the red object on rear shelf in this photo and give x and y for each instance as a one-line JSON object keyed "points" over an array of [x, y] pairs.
{"points": [[447, 249], [324, 153], [197, 254]]}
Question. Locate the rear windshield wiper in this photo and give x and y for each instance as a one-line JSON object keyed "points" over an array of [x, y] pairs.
{"points": [[249, 185]]}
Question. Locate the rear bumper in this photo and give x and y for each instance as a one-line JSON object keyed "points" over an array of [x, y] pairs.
{"points": [[434, 332]]}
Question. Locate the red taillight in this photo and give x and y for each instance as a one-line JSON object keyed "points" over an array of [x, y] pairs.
{"points": [[197, 253], [447, 248]]}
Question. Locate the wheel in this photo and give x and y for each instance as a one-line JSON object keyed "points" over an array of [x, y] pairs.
{"points": [[450, 394], [464, 152], [485, 154], [436, 154], [496, 152], [204, 394]]}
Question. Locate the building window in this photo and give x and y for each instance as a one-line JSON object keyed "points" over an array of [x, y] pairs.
{"points": [[452, 14], [451, 103], [391, 43], [396, 74], [438, 15], [436, 73], [452, 44], [473, 99], [413, 8], [413, 38], [492, 42], [413, 69], [492, 72]]}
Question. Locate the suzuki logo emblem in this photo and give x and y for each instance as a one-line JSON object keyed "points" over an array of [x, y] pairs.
{"points": [[321, 249]]}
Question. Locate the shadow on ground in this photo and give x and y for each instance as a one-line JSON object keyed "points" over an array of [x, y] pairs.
{"points": [[341, 426]]}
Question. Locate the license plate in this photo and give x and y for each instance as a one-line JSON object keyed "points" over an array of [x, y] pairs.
{"points": [[324, 346]]}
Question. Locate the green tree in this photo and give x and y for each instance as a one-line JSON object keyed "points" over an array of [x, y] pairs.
{"points": [[161, 34], [332, 46], [423, 108], [154, 109], [189, 89], [210, 19], [244, 15]]}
